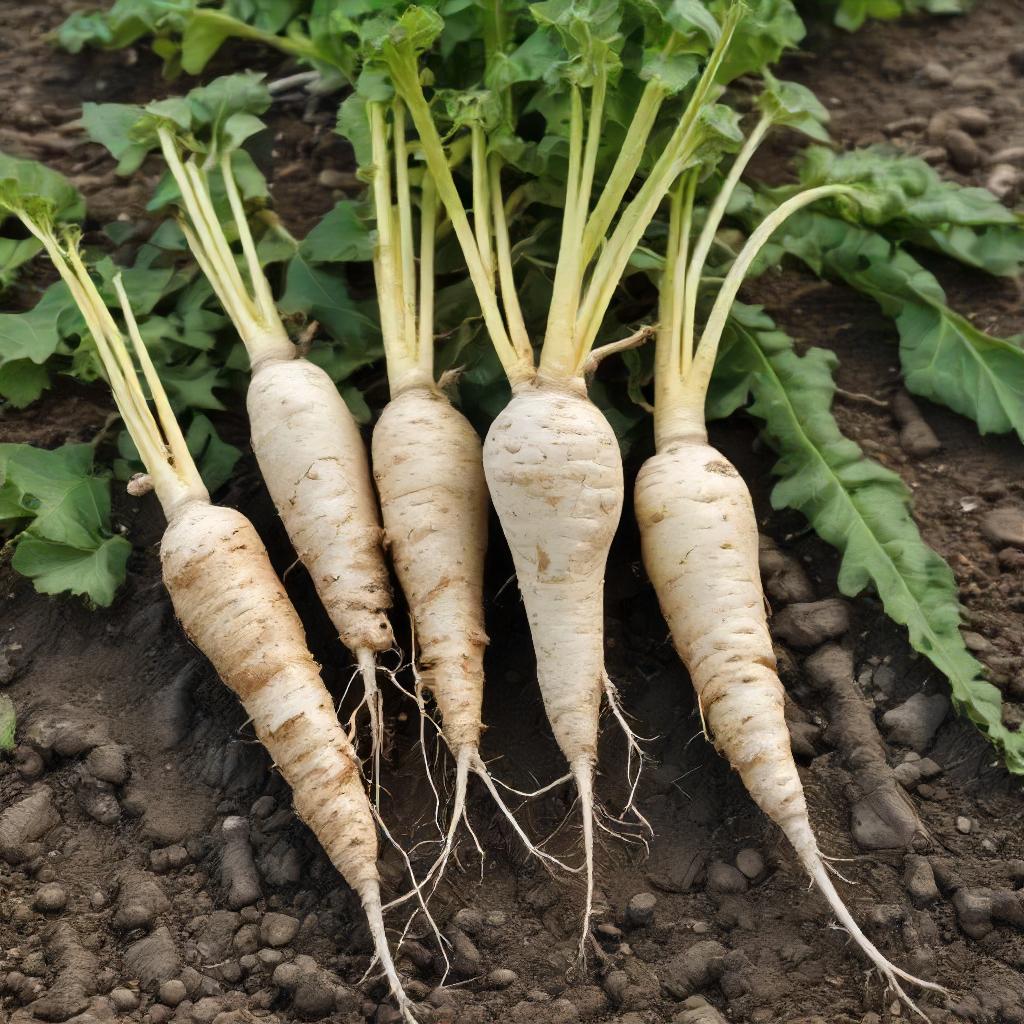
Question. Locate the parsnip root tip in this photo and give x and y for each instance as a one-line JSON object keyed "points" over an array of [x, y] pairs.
{"points": [[583, 773]]}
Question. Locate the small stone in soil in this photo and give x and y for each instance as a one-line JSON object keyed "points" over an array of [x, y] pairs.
{"points": [[278, 929], [1004, 526], [640, 910], [724, 878], [919, 879], [963, 825], [172, 992], [314, 996], [501, 977], [751, 863], [916, 720], [50, 899], [124, 999]]}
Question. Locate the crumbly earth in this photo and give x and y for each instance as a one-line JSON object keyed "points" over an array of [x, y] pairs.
{"points": [[123, 896]]}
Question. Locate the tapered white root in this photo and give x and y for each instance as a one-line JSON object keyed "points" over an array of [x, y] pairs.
{"points": [[583, 773], [235, 609], [314, 463], [700, 548], [554, 470], [370, 897]]}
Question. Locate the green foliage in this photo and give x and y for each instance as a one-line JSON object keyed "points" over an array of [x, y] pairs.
{"points": [[58, 511], [907, 200], [187, 33], [944, 357], [8, 721], [854, 504], [851, 14]]}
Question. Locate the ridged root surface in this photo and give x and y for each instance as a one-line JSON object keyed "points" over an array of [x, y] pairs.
{"points": [[700, 548], [554, 470], [235, 610], [428, 465], [314, 463]]}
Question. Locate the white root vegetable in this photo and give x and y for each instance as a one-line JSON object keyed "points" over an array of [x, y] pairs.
{"points": [[552, 463], [235, 609], [700, 548], [307, 444], [428, 466]]}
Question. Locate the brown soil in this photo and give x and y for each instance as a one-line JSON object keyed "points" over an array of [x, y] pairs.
{"points": [[129, 673]]}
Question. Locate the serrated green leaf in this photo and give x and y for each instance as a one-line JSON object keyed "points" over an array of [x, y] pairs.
{"points": [[215, 458], [945, 358], [112, 125], [861, 509]]}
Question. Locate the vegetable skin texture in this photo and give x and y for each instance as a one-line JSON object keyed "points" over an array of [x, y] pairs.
{"points": [[699, 542], [313, 460], [427, 463], [554, 471]]}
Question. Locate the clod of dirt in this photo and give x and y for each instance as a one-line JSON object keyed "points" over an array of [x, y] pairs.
{"points": [[97, 798], [751, 863], [724, 878], [169, 858], [1007, 906], [75, 968], [238, 873], [974, 911], [501, 978], [963, 151], [695, 969], [466, 960], [916, 437], [51, 898], [278, 929], [172, 992], [124, 1000], [26, 822], [783, 576], [882, 817], [914, 723], [1004, 181], [28, 762], [108, 763], [314, 996], [1004, 526], [697, 1010], [140, 900], [919, 879], [640, 910], [153, 960], [808, 624]]}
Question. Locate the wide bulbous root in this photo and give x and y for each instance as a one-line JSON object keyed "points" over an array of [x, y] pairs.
{"points": [[799, 833]]}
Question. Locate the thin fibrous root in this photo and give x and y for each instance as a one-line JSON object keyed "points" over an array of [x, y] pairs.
{"points": [[632, 746], [806, 847]]}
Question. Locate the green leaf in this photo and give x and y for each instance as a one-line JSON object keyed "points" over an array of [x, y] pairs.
{"points": [[22, 382], [860, 508], [321, 296], [8, 718], [111, 125], [340, 237], [63, 512], [28, 181], [13, 253], [34, 334], [215, 458], [94, 572], [945, 358]]}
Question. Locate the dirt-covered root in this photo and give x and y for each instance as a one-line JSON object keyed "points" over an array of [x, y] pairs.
{"points": [[882, 817], [140, 900], [25, 822], [238, 874], [75, 972]]}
